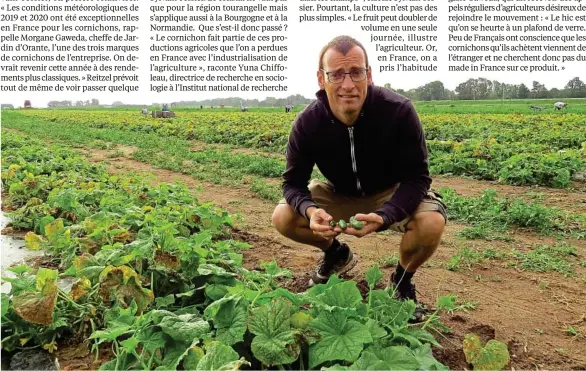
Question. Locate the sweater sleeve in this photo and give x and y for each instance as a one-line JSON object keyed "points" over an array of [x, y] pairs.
{"points": [[414, 179], [300, 162]]}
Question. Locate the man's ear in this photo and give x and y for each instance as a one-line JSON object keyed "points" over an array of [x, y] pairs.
{"points": [[321, 80], [369, 76]]}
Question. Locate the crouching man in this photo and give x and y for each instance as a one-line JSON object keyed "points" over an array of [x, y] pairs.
{"points": [[368, 143]]}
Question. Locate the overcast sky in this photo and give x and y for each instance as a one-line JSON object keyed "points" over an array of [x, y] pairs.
{"points": [[304, 42]]}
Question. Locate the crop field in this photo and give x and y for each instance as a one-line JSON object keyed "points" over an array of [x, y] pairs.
{"points": [[163, 229]]}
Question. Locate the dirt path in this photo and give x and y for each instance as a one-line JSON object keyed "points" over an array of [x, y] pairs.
{"points": [[529, 311]]}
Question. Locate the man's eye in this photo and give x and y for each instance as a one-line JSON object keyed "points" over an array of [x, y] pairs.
{"points": [[337, 74]]}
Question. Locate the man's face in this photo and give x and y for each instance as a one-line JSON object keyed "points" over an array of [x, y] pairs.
{"points": [[346, 97]]}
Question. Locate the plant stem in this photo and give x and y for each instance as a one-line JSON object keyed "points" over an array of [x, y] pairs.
{"points": [[301, 367], [433, 315], [117, 355], [140, 359], [151, 361], [266, 286]]}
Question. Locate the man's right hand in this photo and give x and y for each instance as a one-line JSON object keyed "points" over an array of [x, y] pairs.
{"points": [[319, 223]]}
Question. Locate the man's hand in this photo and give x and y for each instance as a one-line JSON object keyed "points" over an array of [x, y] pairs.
{"points": [[319, 223], [372, 222]]}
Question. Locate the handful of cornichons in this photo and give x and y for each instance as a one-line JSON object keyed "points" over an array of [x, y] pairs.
{"points": [[356, 224]]}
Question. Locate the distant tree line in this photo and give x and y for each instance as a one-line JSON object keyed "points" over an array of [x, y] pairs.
{"points": [[297, 99], [481, 88], [68, 103], [472, 89]]}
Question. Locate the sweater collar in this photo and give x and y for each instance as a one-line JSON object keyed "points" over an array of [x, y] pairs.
{"points": [[323, 99]]}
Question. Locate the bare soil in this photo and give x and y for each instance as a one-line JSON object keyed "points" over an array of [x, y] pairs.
{"points": [[530, 312]]}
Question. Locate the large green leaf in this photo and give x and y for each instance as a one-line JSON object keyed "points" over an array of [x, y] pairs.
{"points": [[215, 291], [343, 295], [174, 353], [151, 339], [342, 339], [230, 322], [322, 287], [229, 315], [185, 327], [397, 358], [376, 331], [274, 343], [426, 360], [220, 357], [192, 358], [368, 361]]}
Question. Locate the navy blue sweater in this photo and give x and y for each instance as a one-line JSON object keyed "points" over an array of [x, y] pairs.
{"points": [[385, 146]]}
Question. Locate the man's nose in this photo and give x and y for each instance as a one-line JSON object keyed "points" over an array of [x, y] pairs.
{"points": [[347, 83]]}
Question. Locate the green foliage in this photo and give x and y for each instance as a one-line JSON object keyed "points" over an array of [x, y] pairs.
{"points": [[544, 149], [158, 279], [489, 214]]}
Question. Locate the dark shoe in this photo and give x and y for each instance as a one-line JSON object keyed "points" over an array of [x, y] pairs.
{"points": [[406, 291], [333, 263]]}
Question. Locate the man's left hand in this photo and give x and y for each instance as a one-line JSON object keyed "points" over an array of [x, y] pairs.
{"points": [[372, 222]]}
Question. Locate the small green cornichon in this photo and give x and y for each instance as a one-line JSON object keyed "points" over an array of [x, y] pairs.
{"points": [[356, 224], [333, 224], [342, 224]]}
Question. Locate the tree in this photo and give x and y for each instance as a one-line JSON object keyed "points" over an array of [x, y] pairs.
{"points": [[465, 90], [556, 93], [575, 84], [474, 89], [523, 92], [483, 88], [95, 102], [434, 90], [538, 91], [388, 86], [497, 90], [575, 88]]}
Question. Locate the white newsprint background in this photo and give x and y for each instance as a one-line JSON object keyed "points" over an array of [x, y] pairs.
{"points": [[409, 44]]}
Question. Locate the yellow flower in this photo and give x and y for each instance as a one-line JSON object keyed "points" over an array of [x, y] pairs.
{"points": [[51, 347], [23, 341]]}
